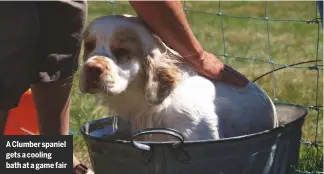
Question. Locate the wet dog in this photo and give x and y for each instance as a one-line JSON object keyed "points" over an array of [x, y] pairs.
{"points": [[150, 85]]}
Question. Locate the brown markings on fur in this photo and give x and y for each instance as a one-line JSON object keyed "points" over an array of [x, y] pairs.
{"points": [[86, 33], [107, 67], [101, 60], [160, 81], [89, 44], [167, 79]]}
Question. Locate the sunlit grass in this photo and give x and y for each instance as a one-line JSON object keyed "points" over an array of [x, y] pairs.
{"points": [[290, 42]]}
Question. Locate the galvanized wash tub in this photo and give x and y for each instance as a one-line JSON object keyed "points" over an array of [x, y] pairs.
{"points": [[114, 151]]}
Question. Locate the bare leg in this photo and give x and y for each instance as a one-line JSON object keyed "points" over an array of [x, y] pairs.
{"points": [[53, 106]]}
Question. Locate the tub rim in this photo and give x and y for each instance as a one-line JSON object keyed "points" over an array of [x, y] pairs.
{"points": [[302, 116]]}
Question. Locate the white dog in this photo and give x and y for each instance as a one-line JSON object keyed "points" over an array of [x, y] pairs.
{"points": [[151, 86]]}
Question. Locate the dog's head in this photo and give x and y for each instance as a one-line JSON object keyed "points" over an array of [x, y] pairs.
{"points": [[121, 54]]}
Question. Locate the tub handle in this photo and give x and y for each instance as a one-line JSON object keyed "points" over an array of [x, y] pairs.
{"points": [[167, 131]]}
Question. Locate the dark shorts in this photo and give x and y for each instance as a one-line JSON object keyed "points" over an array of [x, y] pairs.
{"points": [[39, 43]]}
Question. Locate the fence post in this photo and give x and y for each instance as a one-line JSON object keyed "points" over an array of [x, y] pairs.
{"points": [[320, 8]]}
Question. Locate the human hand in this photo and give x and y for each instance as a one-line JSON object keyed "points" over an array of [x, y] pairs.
{"points": [[90, 172], [82, 169], [209, 65]]}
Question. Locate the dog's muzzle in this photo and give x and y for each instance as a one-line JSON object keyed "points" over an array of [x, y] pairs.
{"points": [[92, 72]]}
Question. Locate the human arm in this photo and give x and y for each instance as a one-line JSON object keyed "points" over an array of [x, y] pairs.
{"points": [[167, 19]]}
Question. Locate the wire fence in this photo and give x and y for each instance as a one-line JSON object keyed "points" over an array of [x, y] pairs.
{"points": [[310, 65], [314, 65]]}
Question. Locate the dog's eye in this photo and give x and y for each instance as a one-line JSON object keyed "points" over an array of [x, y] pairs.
{"points": [[122, 55], [120, 52], [89, 45]]}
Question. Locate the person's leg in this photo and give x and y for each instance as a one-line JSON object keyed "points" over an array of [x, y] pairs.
{"points": [[53, 106], [52, 102], [18, 33], [59, 45]]}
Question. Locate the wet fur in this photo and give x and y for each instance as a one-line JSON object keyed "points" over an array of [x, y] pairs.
{"points": [[166, 92]]}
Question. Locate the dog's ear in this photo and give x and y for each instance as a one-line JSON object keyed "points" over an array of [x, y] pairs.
{"points": [[161, 78], [162, 72]]}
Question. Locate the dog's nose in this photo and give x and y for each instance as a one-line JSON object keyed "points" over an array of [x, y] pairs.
{"points": [[95, 69]]}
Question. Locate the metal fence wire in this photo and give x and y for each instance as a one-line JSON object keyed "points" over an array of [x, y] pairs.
{"points": [[314, 64]]}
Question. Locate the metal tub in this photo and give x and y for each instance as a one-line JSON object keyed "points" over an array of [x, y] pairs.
{"points": [[114, 151]]}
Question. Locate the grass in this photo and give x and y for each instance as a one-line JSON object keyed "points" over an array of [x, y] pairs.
{"points": [[290, 42]]}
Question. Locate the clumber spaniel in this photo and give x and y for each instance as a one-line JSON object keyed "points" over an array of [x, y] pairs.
{"points": [[151, 86]]}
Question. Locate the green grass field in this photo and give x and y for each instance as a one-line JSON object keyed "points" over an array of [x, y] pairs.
{"points": [[290, 42]]}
